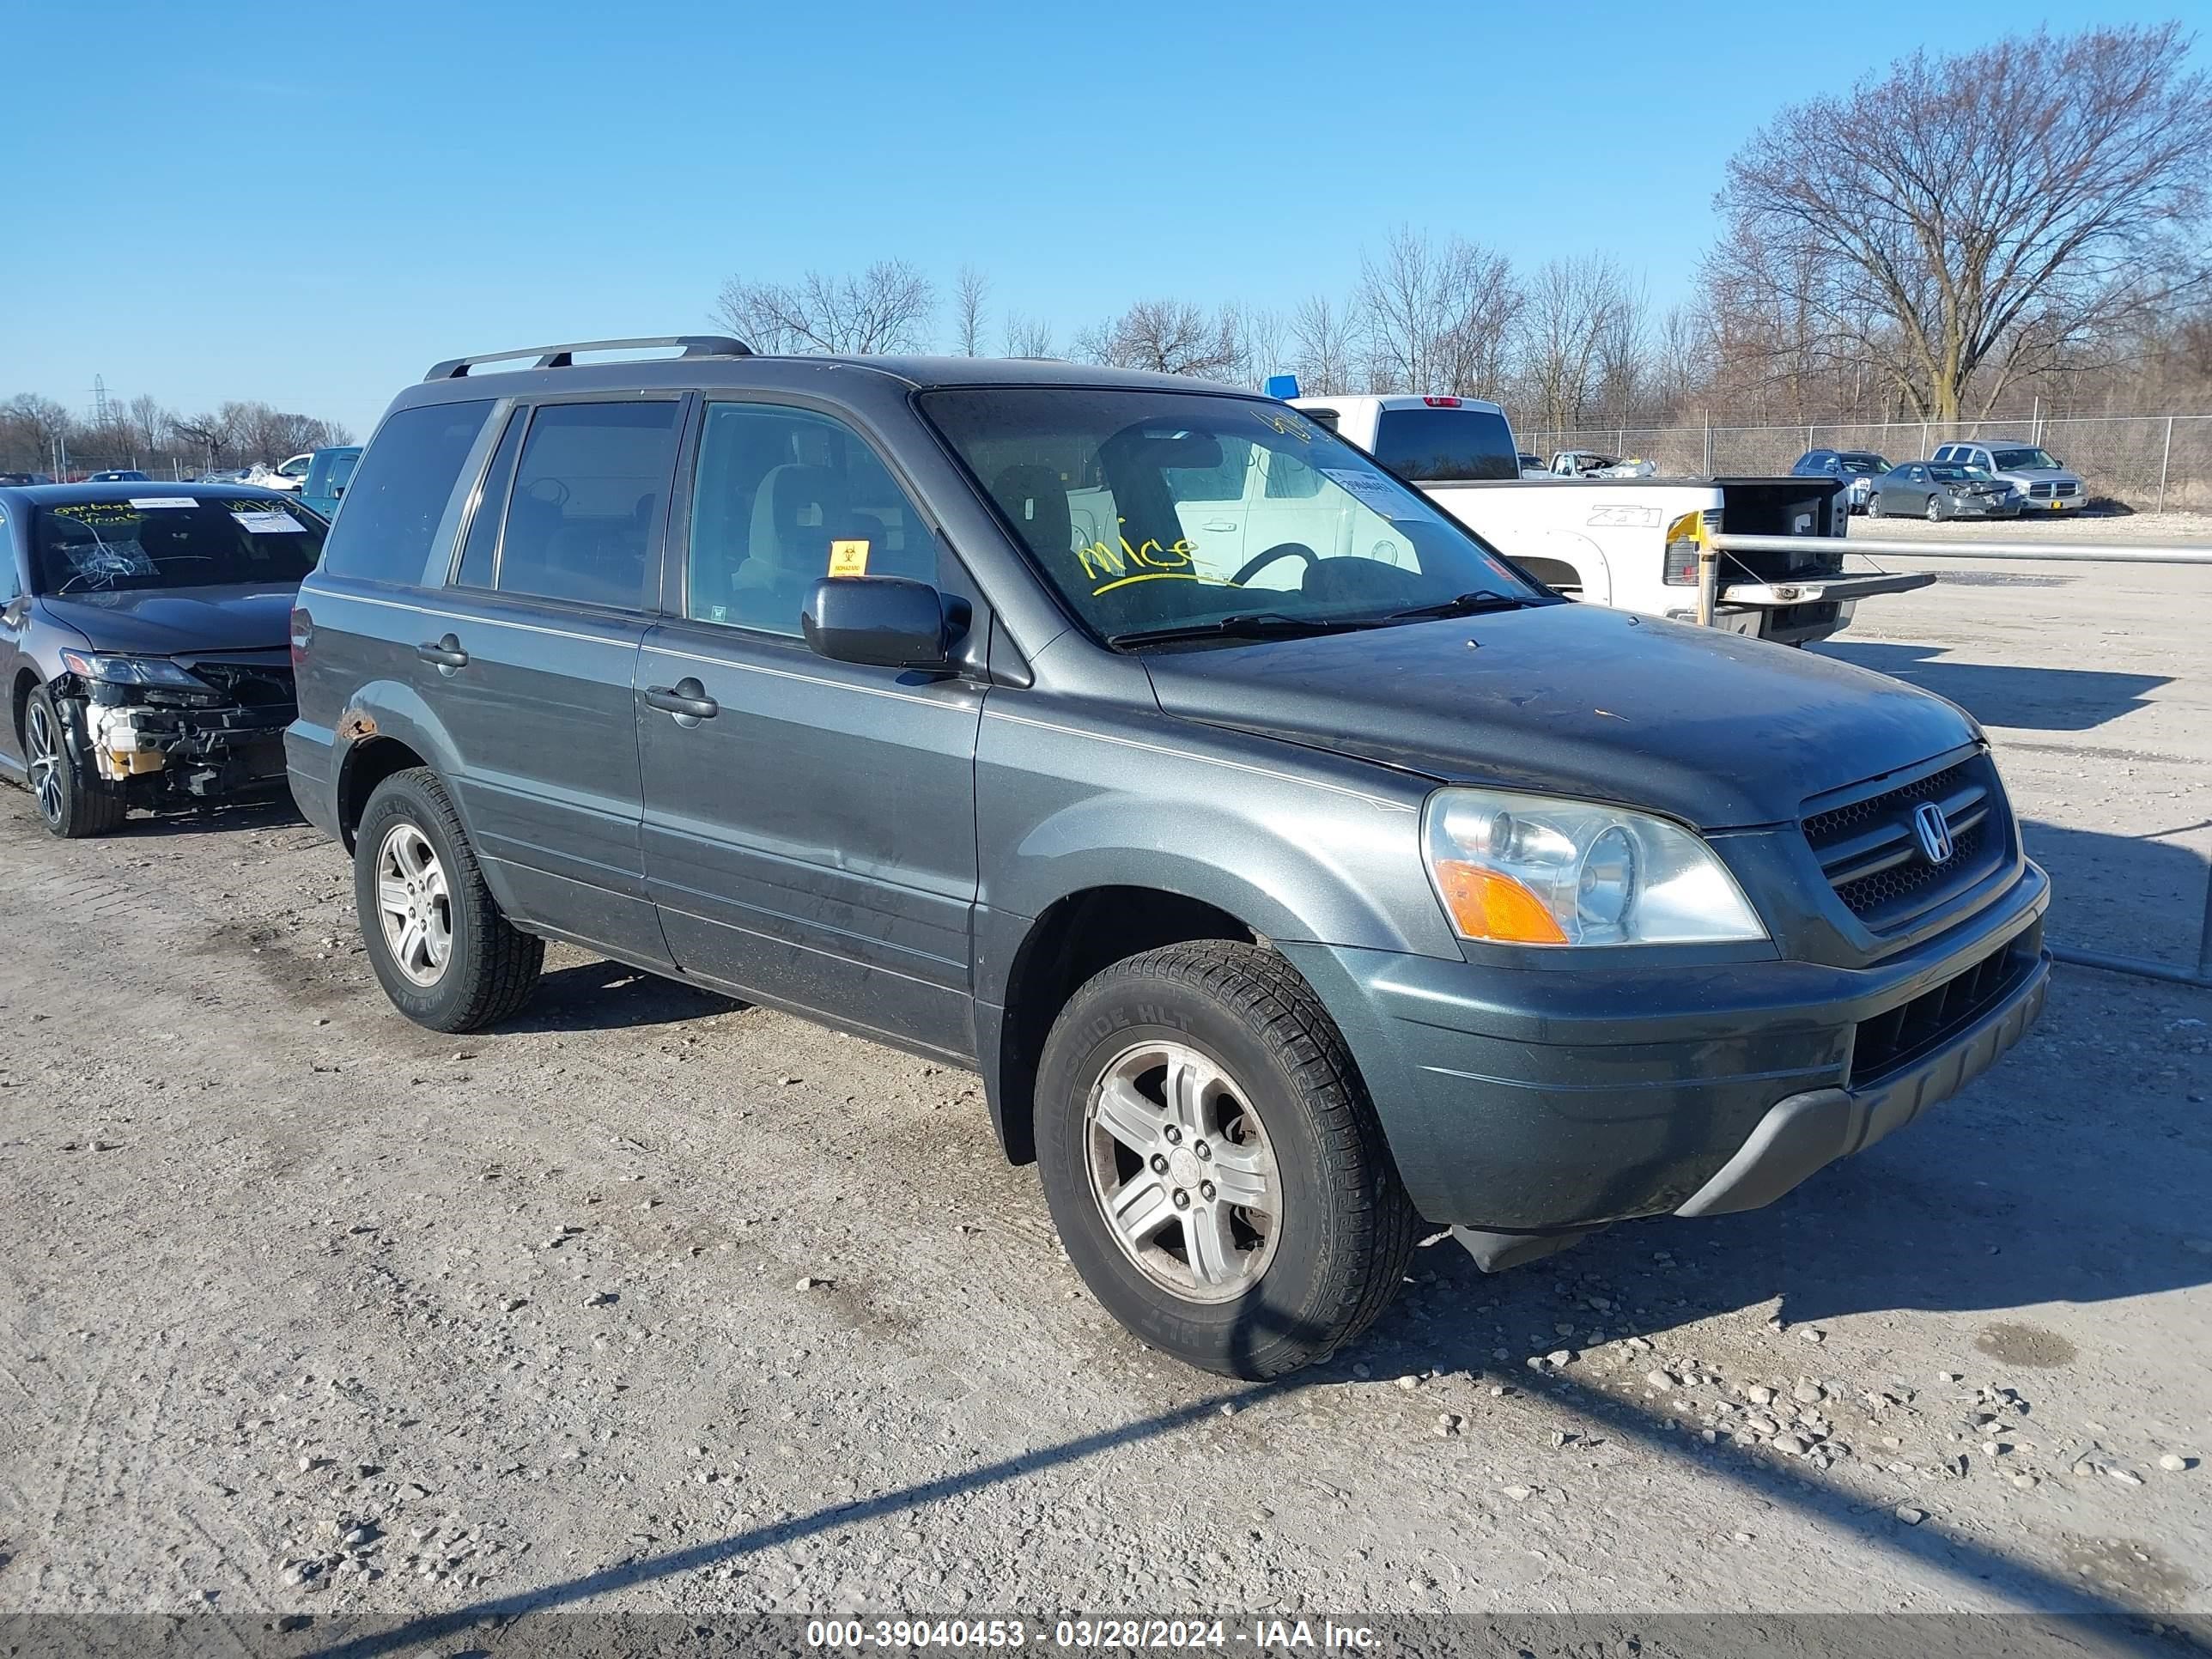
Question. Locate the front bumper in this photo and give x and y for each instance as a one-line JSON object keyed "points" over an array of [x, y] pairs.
{"points": [[204, 750], [1558, 1100]]}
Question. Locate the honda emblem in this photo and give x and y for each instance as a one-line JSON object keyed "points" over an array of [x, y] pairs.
{"points": [[1934, 834]]}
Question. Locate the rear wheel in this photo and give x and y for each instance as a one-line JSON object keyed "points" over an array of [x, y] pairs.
{"points": [[1213, 1163], [71, 805], [445, 954]]}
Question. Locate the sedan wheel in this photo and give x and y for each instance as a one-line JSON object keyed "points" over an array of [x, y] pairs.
{"points": [[414, 905], [45, 752], [1874, 506], [1934, 509], [1181, 1167]]}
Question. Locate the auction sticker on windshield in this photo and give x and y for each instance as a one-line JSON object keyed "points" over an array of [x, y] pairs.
{"points": [[164, 501], [269, 523], [1371, 491]]}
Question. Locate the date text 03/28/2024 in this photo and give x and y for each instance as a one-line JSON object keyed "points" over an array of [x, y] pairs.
{"points": [[1284, 1635]]}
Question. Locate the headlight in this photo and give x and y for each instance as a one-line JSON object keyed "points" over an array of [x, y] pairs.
{"points": [[1528, 870], [130, 671]]}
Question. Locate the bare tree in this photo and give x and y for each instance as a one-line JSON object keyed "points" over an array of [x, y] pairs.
{"points": [[1438, 316], [1321, 332], [1028, 336], [1966, 218], [149, 422], [884, 308], [1581, 315], [1624, 350], [970, 290], [1262, 344], [209, 433], [1168, 336], [36, 427]]}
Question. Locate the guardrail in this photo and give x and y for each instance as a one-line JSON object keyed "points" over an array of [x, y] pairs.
{"points": [[1714, 548]]}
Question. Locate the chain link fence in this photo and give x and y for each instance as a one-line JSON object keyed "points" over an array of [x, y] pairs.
{"points": [[2150, 463]]}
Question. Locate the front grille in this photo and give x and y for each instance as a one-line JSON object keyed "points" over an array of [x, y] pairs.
{"points": [[251, 685], [2044, 492], [1870, 848], [1891, 1042]]}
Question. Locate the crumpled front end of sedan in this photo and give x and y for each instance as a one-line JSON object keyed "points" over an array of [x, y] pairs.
{"points": [[163, 728]]}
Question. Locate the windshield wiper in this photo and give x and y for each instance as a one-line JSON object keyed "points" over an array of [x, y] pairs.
{"points": [[1244, 625], [1461, 605]]}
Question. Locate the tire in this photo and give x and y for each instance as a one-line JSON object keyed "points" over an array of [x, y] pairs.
{"points": [[487, 966], [1934, 507], [71, 805], [1874, 506], [1289, 1289]]}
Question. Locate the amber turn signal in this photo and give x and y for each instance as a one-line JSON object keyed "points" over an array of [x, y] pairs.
{"points": [[1485, 905]]}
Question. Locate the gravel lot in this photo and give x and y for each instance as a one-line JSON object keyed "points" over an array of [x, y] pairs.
{"points": [[649, 1300]]}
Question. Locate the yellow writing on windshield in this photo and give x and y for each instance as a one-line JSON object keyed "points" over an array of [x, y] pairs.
{"points": [[1098, 560], [1287, 423]]}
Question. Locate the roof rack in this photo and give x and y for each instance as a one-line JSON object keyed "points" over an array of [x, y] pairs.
{"points": [[564, 356]]}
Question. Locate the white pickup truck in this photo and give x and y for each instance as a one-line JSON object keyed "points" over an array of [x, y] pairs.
{"points": [[1631, 544]]}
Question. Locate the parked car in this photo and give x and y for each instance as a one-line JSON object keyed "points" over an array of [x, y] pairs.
{"points": [[1282, 911], [2043, 484], [227, 475], [1939, 490], [1858, 468], [144, 643], [125, 475], [19, 480], [1532, 466], [289, 474], [1608, 538], [329, 470], [1581, 463]]}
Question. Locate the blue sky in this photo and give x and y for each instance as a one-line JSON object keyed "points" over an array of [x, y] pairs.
{"points": [[310, 212]]}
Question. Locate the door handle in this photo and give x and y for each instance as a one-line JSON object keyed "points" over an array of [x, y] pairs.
{"points": [[1219, 526], [446, 653], [687, 700]]}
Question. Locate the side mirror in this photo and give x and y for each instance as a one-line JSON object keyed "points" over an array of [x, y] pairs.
{"points": [[886, 621]]}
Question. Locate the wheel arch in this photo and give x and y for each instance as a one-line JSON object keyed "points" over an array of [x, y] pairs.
{"points": [[1076, 936], [385, 728]]}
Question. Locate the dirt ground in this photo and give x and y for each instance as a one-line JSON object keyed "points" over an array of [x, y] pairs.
{"points": [[647, 1300]]}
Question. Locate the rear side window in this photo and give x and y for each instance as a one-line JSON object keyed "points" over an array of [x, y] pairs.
{"points": [[401, 490], [480, 547], [1445, 446], [784, 497], [591, 491]]}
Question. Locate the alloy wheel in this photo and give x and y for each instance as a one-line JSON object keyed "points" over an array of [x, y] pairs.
{"points": [[414, 905], [1182, 1170], [45, 761]]}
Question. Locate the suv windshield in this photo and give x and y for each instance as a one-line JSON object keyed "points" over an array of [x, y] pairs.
{"points": [[2012, 460], [172, 541], [1861, 463], [1445, 446], [1161, 511]]}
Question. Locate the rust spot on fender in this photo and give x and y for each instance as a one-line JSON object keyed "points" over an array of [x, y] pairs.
{"points": [[354, 727]]}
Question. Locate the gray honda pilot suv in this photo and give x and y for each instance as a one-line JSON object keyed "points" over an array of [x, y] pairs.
{"points": [[1296, 871]]}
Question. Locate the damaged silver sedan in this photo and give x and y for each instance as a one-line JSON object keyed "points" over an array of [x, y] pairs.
{"points": [[145, 644]]}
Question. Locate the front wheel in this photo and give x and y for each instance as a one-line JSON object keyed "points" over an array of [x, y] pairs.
{"points": [[71, 805], [1874, 506], [1934, 509], [1213, 1163], [441, 948]]}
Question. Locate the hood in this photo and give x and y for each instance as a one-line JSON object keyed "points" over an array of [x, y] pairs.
{"points": [[172, 622], [2041, 474], [1711, 728]]}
